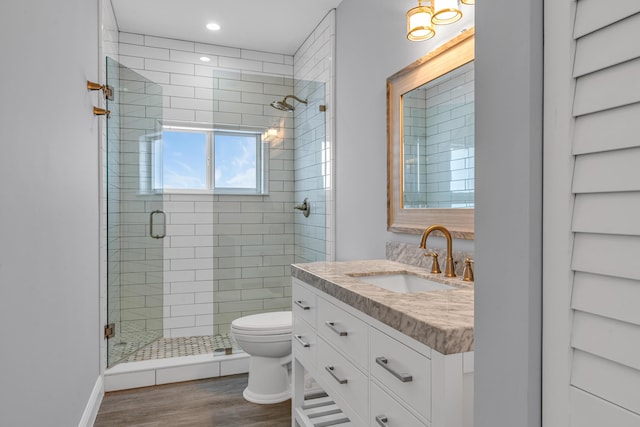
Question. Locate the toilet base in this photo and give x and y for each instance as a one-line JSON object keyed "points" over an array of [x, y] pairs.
{"points": [[268, 381], [265, 399]]}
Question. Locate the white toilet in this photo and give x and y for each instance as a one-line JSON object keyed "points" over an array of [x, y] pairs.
{"points": [[266, 337]]}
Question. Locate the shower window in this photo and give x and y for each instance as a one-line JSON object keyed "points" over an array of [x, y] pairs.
{"points": [[210, 160]]}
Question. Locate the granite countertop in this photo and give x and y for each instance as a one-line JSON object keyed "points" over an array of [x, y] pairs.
{"points": [[442, 320]]}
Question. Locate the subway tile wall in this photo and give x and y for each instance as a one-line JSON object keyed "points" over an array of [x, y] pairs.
{"points": [[225, 256], [439, 142]]}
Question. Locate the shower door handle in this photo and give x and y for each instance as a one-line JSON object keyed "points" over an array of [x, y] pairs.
{"points": [[164, 224]]}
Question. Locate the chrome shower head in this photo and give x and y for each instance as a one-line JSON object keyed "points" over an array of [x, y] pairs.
{"points": [[284, 105]]}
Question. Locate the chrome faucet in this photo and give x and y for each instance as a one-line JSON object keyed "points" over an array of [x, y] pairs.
{"points": [[448, 267]]}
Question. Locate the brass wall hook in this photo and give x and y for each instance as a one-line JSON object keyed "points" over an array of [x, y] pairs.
{"points": [[101, 112], [106, 89]]}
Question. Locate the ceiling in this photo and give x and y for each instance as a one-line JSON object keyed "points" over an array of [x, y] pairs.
{"points": [[278, 26]]}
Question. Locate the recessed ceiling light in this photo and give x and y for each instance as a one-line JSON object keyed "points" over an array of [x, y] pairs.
{"points": [[213, 26], [205, 59]]}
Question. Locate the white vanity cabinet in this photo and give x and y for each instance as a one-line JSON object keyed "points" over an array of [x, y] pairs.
{"points": [[373, 374]]}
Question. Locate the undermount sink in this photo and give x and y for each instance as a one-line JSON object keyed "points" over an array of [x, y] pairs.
{"points": [[403, 283]]}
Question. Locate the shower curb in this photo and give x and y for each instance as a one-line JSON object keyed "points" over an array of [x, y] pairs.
{"points": [[173, 369]]}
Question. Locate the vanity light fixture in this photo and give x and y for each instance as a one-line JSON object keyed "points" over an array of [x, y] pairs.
{"points": [[445, 11], [419, 25], [213, 26], [421, 19]]}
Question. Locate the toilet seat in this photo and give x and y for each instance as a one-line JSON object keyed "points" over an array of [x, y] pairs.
{"points": [[272, 323]]}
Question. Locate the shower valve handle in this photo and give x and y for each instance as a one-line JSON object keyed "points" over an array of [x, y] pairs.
{"points": [[305, 207]]}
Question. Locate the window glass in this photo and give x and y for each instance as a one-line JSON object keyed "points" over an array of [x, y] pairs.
{"points": [[236, 160], [184, 160]]}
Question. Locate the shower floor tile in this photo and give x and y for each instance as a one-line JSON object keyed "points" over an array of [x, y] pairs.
{"points": [[176, 347], [185, 346]]}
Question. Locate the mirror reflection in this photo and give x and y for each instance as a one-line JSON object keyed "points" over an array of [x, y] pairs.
{"points": [[438, 142]]}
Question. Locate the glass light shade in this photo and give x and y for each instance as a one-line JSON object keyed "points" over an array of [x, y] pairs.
{"points": [[419, 23], [470, 2], [446, 11]]}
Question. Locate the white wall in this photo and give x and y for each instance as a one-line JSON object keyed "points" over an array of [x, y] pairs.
{"points": [[508, 214], [49, 216], [371, 46]]}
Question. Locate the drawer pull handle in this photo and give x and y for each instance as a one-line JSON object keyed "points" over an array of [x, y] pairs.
{"points": [[382, 361], [332, 326], [335, 377], [382, 420], [304, 344], [302, 305]]}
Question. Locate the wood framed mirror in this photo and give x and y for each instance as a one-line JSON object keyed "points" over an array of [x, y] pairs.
{"points": [[430, 152]]}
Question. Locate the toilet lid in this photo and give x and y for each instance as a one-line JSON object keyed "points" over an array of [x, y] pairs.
{"points": [[278, 322]]}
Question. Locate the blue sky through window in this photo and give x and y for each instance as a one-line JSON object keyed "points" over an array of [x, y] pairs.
{"points": [[235, 161], [184, 160]]}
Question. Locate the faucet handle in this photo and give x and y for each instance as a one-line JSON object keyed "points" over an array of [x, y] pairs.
{"points": [[468, 271], [435, 265]]}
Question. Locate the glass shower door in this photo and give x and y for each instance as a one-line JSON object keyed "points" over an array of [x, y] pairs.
{"points": [[136, 223], [312, 174]]}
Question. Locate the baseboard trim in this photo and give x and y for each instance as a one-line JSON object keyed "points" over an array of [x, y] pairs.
{"points": [[95, 400]]}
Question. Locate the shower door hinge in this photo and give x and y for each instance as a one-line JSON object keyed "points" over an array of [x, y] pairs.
{"points": [[108, 92], [109, 330]]}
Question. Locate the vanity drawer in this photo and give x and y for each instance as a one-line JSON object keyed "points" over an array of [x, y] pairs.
{"points": [[304, 342], [392, 363], [346, 332], [385, 411], [303, 302], [344, 378]]}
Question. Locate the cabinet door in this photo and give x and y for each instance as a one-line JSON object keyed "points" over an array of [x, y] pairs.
{"points": [[345, 331], [303, 302], [304, 342], [386, 412], [346, 381], [393, 363]]}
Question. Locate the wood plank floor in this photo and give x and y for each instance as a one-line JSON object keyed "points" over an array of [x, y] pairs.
{"points": [[202, 403]]}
